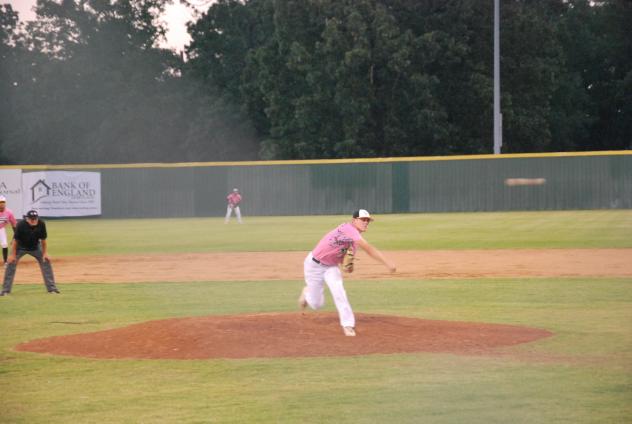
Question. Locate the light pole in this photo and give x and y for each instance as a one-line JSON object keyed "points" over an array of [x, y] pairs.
{"points": [[498, 117]]}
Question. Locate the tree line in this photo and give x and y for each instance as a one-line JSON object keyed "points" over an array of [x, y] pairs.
{"points": [[298, 79]]}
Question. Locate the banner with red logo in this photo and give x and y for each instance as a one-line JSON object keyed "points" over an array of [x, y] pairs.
{"points": [[62, 193]]}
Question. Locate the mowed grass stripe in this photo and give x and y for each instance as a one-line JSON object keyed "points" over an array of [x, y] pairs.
{"points": [[498, 230]]}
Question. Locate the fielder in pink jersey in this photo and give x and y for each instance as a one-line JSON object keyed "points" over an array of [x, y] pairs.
{"points": [[233, 199], [6, 217], [322, 266]]}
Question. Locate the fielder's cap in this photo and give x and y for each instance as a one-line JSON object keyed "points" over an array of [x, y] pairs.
{"points": [[32, 214], [3, 199], [235, 190], [362, 213]]}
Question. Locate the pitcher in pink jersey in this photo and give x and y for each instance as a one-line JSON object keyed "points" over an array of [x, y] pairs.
{"points": [[322, 266], [6, 217]]}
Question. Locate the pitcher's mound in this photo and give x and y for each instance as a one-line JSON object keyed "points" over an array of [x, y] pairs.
{"points": [[273, 335]]}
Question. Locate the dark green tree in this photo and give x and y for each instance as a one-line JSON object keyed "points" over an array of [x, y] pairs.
{"points": [[286, 79], [102, 91], [14, 66], [608, 79]]}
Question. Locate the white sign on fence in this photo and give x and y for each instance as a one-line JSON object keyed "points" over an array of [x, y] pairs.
{"points": [[11, 189], [62, 193]]}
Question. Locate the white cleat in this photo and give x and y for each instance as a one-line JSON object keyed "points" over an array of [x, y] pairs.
{"points": [[302, 302], [349, 331]]}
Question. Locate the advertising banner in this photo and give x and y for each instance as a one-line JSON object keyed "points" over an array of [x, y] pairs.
{"points": [[62, 193], [11, 189]]}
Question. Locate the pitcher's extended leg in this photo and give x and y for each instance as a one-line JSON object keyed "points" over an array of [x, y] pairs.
{"points": [[333, 278]]}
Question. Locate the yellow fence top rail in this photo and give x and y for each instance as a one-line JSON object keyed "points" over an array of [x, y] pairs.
{"points": [[319, 161]]}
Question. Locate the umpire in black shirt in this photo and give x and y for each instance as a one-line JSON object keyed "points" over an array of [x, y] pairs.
{"points": [[29, 238]]}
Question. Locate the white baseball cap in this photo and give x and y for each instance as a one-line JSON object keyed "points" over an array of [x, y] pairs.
{"points": [[362, 213], [235, 190], [3, 199]]}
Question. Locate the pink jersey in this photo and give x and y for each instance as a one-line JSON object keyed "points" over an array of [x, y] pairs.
{"points": [[234, 198], [331, 249], [7, 216]]}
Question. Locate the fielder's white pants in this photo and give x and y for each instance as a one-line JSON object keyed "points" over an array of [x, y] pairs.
{"points": [[229, 210], [316, 276], [3, 237]]}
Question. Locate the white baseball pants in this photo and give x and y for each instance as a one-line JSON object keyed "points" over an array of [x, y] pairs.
{"points": [[316, 275], [229, 211], [3, 237]]}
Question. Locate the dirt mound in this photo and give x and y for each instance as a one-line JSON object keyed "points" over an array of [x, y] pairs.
{"points": [[274, 335]]}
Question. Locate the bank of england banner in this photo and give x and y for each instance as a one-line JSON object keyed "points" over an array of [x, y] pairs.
{"points": [[11, 189], [62, 193]]}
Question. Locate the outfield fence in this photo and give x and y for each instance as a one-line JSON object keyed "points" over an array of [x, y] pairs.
{"points": [[559, 181]]}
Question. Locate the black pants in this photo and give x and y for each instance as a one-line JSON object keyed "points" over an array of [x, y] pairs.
{"points": [[45, 267]]}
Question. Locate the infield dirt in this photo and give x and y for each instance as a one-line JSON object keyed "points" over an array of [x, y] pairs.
{"points": [[266, 266]]}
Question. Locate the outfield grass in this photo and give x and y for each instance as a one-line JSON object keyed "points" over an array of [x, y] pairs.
{"points": [[583, 374], [565, 229], [587, 380]]}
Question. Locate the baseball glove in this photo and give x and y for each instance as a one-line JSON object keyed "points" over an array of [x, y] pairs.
{"points": [[347, 261]]}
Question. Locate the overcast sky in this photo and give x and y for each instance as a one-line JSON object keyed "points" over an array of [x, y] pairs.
{"points": [[176, 16]]}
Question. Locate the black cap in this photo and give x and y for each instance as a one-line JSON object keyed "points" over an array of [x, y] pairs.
{"points": [[32, 214]]}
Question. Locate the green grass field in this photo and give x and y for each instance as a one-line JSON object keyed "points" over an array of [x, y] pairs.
{"points": [[585, 375], [595, 229]]}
